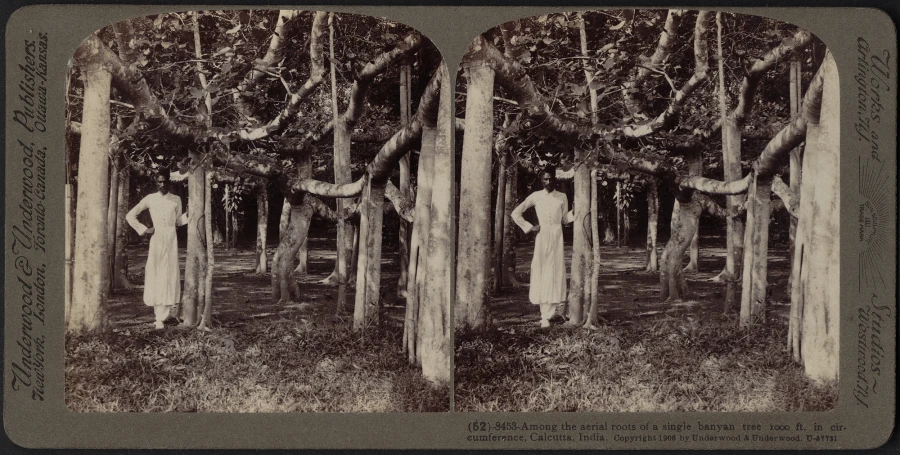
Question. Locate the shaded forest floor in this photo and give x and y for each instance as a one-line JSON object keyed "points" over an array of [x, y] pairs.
{"points": [[260, 357], [646, 356]]}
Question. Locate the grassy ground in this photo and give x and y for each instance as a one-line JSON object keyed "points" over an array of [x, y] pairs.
{"points": [[647, 355], [260, 357]]}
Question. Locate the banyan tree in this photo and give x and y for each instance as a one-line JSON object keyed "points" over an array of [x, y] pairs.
{"points": [[666, 98], [253, 98]]}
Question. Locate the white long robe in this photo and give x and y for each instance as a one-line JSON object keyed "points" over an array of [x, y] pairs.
{"points": [[162, 284], [548, 267]]}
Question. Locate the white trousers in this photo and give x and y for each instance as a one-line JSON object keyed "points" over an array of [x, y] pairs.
{"points": [[548, 310], [161, 312]]}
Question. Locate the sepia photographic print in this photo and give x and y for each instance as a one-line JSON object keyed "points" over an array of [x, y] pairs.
{"points": [[258, 205], [634, 230], [449, 227]]}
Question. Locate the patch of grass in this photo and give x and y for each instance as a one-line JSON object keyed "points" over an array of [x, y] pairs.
{"points": [[672, 364], [266, 366]]}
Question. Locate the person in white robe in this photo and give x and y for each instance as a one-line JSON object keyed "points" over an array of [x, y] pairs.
{"points": [[548, 269], [162, 283]]}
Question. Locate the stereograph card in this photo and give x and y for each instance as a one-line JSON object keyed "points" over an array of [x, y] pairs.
{"points": [[450, 227]]}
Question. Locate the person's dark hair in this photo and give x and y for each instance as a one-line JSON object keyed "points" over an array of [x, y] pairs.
{"points": [[549, 170], [164, 172]]}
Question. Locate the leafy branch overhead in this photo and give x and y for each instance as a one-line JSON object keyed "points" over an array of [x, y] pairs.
{"points": [[649, 71], [260, 120]]}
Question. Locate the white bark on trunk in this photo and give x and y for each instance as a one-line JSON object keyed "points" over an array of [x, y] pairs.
{"points": [[579, 288], [695, 168], [195, 266], [437, 347], [815, 302], [415, 288], [756, 255], [368, 271], [88, 312], [475, 202]]}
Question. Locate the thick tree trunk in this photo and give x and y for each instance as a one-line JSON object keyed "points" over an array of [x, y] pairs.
{"points": [[815, 305], [111, 219], [695, 168], [368, 272], [685, 216], [262, 226], [436, 327], [88, 312], [499, 222], [756, 255], [283, 223], [415, 288], [652, 222], [418, 246], [509, 227], [284, 287], [195, 265], [120, 271], [194, 302], [405, 106], [581, 257], [474, 200]]}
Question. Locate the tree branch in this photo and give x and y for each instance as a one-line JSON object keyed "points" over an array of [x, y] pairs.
{"points": [[710, 186], [381, 134], [323, 211], [790, 198], [404, 206], [663, 49], [134, 87], [510, 75], [773, 157], [709, 206], [751, 81], [245, 163], [377, 66], [402, 142], [316, 76], [274, 54], [326, 189], [701, 72]]}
